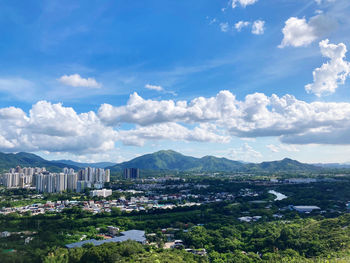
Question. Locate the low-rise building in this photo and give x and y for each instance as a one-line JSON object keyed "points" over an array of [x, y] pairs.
{"points": [[102, 192]]}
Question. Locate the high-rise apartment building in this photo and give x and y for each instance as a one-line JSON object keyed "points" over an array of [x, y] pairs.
{"points": [[131, 173], [108, 175], [56, 182], [61, 182], [72, 180]]}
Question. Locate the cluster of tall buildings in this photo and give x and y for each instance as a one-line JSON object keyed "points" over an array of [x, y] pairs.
{"points": [[20, 177], [47, 182], [131, 173]]}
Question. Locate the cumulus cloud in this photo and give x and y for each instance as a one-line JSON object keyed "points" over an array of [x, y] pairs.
{"points": [[147, 112], [75, 80], [170, 131], [256, 116], [241, 24], [299, 32], [258, 27], [153, 87], [330, 74], [53, 128], [243, 3]]}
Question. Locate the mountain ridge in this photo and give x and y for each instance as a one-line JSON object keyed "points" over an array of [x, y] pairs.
{"points": [[170, 160], [164, 160], [23, 159]]}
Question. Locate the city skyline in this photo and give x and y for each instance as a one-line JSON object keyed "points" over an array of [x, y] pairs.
{"points": [[45, 181], [246, 80]]}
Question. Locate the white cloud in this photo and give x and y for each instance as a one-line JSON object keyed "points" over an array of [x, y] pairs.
{"points": [[241, 24], [258, 27], [244, 153], [330, 74], [153, 87], [75, 80], [170, 131], [298, 32], [53, 128], [256, 116], [243, 3], [147, 112], [224, 27]]}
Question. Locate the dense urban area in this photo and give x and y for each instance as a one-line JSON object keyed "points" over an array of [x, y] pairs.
{"points": [[91, 215]]}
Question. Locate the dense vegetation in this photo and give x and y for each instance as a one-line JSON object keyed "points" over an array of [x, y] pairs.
{"points": [[225, 239], [296, 237], [128, 251]]}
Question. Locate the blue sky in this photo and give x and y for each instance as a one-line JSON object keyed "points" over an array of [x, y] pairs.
{"points": [[250, 80]]}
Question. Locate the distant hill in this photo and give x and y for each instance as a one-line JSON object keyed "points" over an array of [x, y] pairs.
{"points": [[9, 160], [333, 165], [285, 165], [171, 160], [161, 161], [82, 165]]}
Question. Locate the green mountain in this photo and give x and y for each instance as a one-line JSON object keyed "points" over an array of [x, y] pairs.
{"points": [[161, 161], [285, 165], [171, 160], [9, 160]]}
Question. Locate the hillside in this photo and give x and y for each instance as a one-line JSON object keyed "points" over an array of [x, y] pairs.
{"points": [[9, 160], [162, 160], [171, 160]]}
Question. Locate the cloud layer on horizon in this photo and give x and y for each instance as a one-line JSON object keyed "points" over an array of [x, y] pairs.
{"points": [[55, 128], [257, 116]]}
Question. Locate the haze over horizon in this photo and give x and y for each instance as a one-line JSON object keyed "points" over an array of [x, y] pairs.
{"points": [[256, 80]]}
